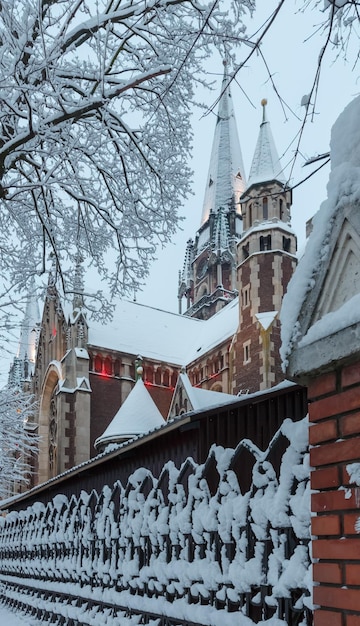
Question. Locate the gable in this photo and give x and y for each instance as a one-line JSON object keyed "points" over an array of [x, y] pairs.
{"points": [[329, 315], [342, 280]]}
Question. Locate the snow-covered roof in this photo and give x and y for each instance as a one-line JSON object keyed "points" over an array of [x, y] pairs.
{"points": [[137, 415], [160, 335], [203, 398], [275, 224], [226, 177], [266, 163]]}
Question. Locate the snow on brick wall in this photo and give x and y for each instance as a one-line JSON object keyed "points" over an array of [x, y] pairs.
{"points": [[190, 544]]}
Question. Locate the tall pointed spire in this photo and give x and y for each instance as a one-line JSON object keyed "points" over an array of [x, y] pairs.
{"points": [[226, 177], [266, 163], [23, 364], [30, 327], [78, 299]]}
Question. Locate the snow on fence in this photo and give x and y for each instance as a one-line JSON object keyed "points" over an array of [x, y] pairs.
{"points": [[191, 547]]}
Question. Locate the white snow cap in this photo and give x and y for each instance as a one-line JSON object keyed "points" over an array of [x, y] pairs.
{"points": [[226, 177], [266, 163], [136, 416]]}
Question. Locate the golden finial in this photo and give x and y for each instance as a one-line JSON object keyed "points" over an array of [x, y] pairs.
{"points": [[263, 104]]}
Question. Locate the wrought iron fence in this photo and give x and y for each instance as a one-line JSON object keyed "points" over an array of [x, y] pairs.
{"points": [[195, 546]]}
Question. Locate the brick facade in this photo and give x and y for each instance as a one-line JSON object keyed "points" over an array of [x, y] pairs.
{"points": [[334, 414]]}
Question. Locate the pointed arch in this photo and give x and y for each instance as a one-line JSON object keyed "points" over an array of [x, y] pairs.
{"points": [[48, 405]]}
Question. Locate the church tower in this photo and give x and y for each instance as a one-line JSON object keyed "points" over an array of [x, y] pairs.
{"points": [[266, 262], [208, 279], [62, 383]]}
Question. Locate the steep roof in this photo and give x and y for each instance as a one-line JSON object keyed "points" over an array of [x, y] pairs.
{"points": [[266, 164], [199, 399], [136, 416], [226, 177], [160, 335]]}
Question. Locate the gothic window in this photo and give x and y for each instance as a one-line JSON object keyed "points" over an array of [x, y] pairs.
{"points": [[250, 215], [245, 250], [166, 378], [108, 366], [286, 244], [281, 209], [149, 375], [245, 296], [247, 355], [98, 364], [117, 366], [53, 428], [265, 209], [158, 376], [265, 243], [174, 379]]}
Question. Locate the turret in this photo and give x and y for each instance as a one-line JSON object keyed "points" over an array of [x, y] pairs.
{"points": [[209, 276], [266, 261]]}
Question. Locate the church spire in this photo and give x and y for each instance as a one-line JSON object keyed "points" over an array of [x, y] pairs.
{"points": [[226, 177], [78, 299], [30, 326], [24, 362], [265, 165]]}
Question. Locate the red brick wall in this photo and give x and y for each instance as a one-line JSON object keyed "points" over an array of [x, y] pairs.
{"points": [[334, 414]]}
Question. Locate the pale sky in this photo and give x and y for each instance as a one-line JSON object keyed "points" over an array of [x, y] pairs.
{"points": [[291, 50]]}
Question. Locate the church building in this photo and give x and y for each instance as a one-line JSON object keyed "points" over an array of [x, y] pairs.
{"points": [[224, 343]]}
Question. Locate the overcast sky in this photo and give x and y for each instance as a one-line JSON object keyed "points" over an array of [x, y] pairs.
{"points": [[291, 49]]}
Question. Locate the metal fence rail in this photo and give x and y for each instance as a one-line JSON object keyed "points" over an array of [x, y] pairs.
{"points": [[195, 537]]}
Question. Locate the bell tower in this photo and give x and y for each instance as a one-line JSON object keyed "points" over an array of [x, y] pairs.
{"points": [[208, 279], [266, 262]]}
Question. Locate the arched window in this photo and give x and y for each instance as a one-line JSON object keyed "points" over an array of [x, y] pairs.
{"points": [[158, 376], [281, 209], [149, 375], [117, 367], [166, 378], [265, 209], [98, 364], [108, 366]]}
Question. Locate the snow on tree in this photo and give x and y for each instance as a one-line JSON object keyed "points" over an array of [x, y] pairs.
{"points": [[18, 441], [95, 129]]}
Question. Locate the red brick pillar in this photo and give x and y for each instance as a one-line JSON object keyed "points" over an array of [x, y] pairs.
{"points": [[334, 413]]}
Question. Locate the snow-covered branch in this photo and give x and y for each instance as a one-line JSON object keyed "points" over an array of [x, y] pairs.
{"points": [[18, 439], [95, 129]]}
